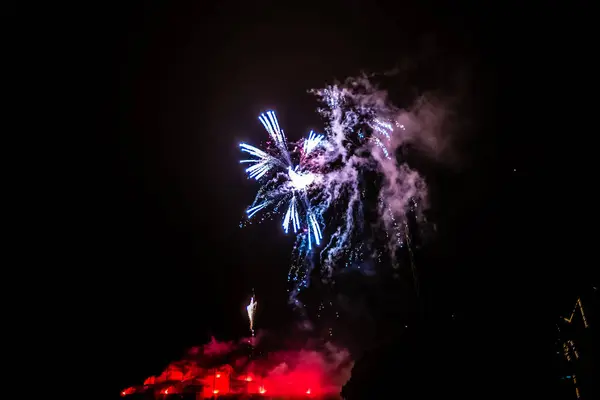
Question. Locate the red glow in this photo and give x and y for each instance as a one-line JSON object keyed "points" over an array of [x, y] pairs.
{"points": [[127, 391], [151, 380], [321, 370], [285, 382]]}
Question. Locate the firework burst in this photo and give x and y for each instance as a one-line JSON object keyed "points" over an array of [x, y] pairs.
{"points": [[326, 177], [285, 183]]}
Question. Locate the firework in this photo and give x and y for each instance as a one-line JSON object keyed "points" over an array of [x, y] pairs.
{"points": [[285, 183], [328, 174], [251, 309]]}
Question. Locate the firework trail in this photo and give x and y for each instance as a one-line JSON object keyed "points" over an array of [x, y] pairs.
{"points": [[251, 309], [326, 177]]}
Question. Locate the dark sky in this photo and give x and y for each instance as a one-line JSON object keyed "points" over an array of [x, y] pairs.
{"points": [[179, 85]]}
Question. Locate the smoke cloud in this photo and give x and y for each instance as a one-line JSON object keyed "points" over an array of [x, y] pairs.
{"points": [[366, 135], [255, 365]]}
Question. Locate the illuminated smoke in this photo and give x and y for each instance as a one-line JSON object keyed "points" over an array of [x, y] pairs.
{"points": [[349, 108], [318, 368], [215, 348]]}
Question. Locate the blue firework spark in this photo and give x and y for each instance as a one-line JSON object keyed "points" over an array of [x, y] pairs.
{"points": [[285, 184]]}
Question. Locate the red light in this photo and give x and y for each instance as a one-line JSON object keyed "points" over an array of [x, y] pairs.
{"points": [[262, 390], [215, 391], [308, 391], [248, 379], [218, 375], [127, 392]]}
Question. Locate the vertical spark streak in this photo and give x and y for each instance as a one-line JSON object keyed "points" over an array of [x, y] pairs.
{"points": [[251, 310], [316, 229], [295, 221], [267, 126], [275, 125], [286, 220]]}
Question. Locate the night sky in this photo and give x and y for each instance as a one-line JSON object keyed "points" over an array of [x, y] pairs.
{"points": [[180, 85]]}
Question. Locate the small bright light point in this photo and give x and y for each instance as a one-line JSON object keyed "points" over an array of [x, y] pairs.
{"points": [[308, 391], [215, 391], [218, 375]]}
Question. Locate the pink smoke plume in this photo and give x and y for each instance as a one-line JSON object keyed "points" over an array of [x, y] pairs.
{"points": [[214, 347], [348, 106]]}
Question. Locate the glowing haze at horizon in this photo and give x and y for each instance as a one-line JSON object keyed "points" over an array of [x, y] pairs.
{"points": [[317, 368]]}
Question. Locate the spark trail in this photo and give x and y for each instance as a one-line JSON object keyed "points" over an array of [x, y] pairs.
{"points": [[251, 309]]}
